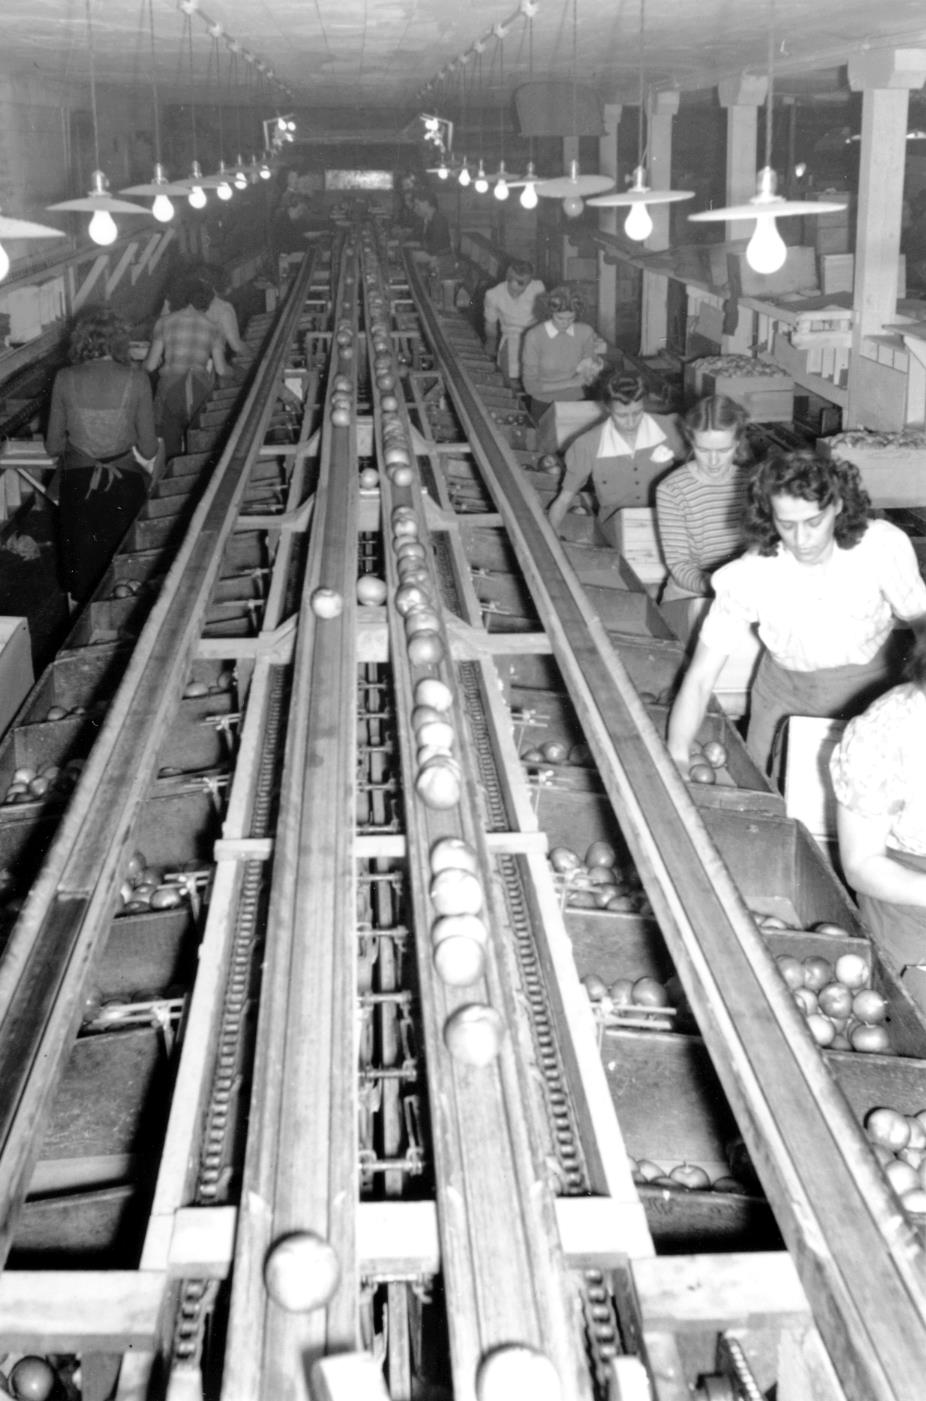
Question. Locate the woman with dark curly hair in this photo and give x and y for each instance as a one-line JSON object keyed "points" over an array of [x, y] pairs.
{"points": [[101, 429], [823, 582], [879, 777], [559, 356]]}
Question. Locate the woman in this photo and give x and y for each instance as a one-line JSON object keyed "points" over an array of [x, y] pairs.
{"points": [[879, 777], [187, 348], [509, 308], [700, 507], [559, 357], [101, 428], [824, 583], [622, 457]]}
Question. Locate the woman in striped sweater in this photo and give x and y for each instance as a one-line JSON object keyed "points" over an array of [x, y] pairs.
{"points": [[700, 506]]}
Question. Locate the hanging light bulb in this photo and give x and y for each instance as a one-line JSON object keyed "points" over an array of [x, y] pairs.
{"points": [[265, 171], [197, 197], [573, 189], [161, 190], [103, 228], [464, 176], [224, 190], [573, 206], [529, 198], [241, 175], [481, 183], [102, 205], [638, 225], [21, 228], [500, 189], [766, 251], [443, 170], [162, 209]]}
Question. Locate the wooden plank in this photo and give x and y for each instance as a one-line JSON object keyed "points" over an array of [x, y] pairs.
{"points": [[708, 1293], [80, 1311]]}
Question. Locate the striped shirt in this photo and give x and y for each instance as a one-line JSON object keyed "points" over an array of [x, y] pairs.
{"points": [[811, 616], [700, 527]]}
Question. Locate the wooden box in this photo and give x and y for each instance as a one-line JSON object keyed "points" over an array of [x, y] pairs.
{"points": [[767, 397], [892, 475], [15, 667], [638, 542], [562, 422]]}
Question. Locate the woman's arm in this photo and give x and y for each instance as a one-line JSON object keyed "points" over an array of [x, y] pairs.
{"points": [[155, 350], [868, 868], [690, 705]]}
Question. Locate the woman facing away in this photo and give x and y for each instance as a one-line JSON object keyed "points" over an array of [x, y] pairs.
{"points": [[700, 507], [823, 582], [101, 429]]}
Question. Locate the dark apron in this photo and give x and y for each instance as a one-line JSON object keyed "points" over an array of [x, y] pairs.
{"points": [[834, 692], [901, 930]]}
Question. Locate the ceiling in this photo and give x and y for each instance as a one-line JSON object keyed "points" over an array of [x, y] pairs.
{"points": [[376, 56]]}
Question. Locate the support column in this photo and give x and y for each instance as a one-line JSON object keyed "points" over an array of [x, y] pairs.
{"points": [[607, 222], [662, 107], [884, 77], [742, 97]]}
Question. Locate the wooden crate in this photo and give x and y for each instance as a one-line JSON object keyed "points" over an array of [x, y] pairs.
{"points": [[638, 542], [892, 476]]}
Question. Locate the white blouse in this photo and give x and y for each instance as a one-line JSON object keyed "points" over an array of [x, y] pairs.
{"points": [[812, 616], [879, 766]]}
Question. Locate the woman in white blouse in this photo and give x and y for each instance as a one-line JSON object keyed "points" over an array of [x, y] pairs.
{"points": [[879, 777], [824, 582]]}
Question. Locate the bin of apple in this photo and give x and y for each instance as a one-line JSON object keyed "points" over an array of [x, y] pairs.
{"points": [[684, 1177], [597, 882], [842, 1010], [643, 1002], [899, 1143]]}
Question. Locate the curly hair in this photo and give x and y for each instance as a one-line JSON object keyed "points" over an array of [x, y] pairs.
{"points": [[96, 333], [810, 478], [564, 298], [718, 413]]}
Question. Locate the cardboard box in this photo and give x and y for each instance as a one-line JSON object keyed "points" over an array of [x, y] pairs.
{"points": [[16, 675]]}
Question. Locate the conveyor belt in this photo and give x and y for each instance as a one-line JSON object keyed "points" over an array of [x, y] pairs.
{"points": [[269, 1164]]}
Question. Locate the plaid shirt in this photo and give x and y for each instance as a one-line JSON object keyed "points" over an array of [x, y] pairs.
{"points": [[190, 341]]}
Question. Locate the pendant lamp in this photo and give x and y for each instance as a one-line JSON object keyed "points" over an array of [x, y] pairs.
{"points": [[98, 202], [766, 251], [159, 188], [573, 189], [21, 228], [638, 225], [528, 182]]}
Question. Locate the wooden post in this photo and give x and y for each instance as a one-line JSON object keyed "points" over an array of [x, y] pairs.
{"points": [[607, 221], [884, 77], [662, 107]]}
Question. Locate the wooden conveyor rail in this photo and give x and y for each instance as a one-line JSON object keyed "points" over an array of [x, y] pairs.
{"points": [[860, 1261], [301, 1169], [503, 1269], [56, 939]]}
